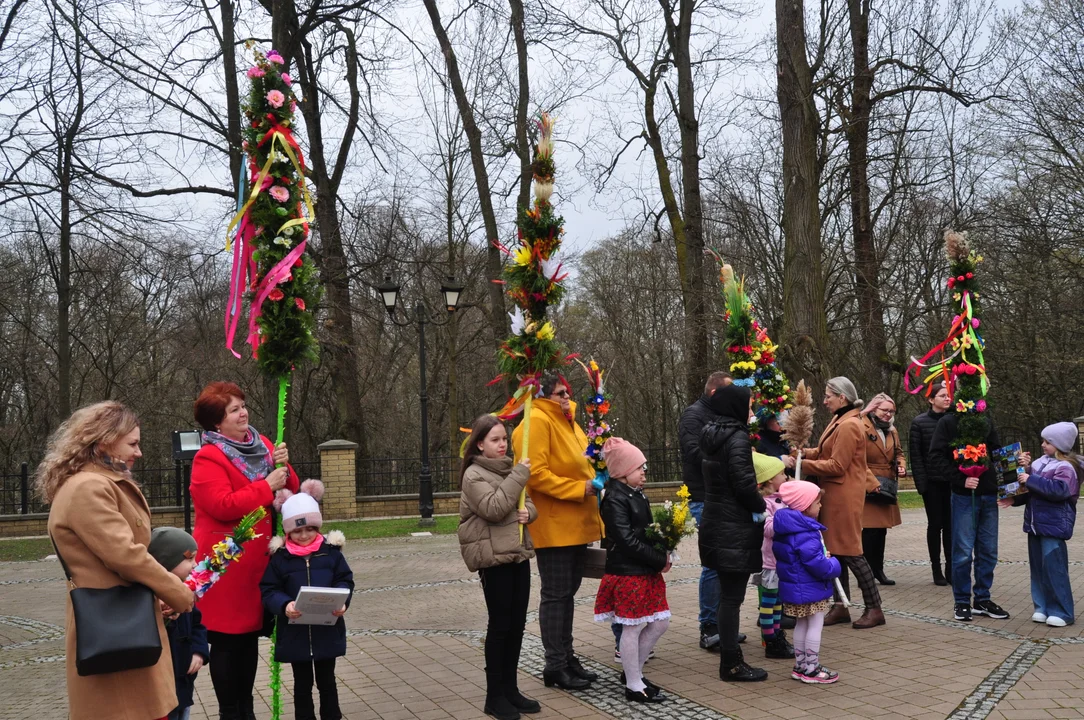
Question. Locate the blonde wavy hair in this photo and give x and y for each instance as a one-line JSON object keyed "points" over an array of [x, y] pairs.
{"points": [[77, 442]]}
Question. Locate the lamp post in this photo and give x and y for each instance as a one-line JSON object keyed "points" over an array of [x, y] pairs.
{"points": [[389, 293], [186, 443]]}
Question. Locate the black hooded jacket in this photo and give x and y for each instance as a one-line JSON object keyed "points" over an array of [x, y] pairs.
{"points": [[730, 539], [693, 421]]}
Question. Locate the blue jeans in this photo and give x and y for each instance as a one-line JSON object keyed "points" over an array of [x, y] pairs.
{"points": [[1050, 588], [974, 534], [709, 580]]}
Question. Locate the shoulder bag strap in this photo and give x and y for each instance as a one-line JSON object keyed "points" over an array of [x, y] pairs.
{"points": [[67, 573]]}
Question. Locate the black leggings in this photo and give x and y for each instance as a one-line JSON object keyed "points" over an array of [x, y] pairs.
{"points": [[233, 660], [324, 673], [507, 591], [873, 548], [938, 502], [732, 586]]}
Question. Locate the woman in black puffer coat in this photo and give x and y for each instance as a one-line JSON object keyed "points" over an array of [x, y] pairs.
{"points": [[730, 535]]}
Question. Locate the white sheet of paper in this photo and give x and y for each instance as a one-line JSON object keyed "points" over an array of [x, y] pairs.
{"points": [[317, 603]]}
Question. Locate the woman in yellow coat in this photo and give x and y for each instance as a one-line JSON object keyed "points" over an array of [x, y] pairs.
{"points": [[568, 519], [101, 525], [884, 459], [839, 464]]}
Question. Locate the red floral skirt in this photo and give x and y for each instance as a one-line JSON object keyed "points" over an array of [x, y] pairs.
{"points": [[631, 599]]}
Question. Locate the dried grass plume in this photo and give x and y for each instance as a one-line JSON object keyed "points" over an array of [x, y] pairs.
{"points": [[798, 424], [956, 246]]}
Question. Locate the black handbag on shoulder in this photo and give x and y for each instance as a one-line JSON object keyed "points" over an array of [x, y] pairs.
{"points": [[888, 493], [115, 628]]}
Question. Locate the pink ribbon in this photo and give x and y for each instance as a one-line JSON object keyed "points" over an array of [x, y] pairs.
{"points": [[270, 281], [243, 268]]}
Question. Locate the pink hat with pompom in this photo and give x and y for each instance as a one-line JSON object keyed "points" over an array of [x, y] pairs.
{"points": [[799, 494], [302, 509]]}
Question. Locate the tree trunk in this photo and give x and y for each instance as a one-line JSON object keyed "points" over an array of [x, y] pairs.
{"points": [[523, 143], [340, 343], [696, 329], [498, 320], [867, 266], [233, 93], [805, 327]]}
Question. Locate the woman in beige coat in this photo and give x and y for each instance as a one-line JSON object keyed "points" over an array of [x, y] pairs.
{"points": [[101, 525], [489, 539], [884, 459], [839, 463]]}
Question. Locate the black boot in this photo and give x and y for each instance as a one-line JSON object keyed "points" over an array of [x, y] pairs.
{"points": [[948, 573], [564, 679], [938, 577], [882, 578], [788, 622], [741, 672], [229, 711], [499, 707], [577, 669], [778, 648]]}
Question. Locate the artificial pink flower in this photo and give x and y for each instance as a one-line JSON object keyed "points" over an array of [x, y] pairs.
{"points": [[274, 57], [300, 304], [275, 98], [255, 72], [980, 406], [275, 295], [267, 182], [280, 193], [286, 79], [975, 322]]}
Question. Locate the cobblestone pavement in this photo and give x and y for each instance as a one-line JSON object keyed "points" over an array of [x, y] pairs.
{"points": [[417, 622]]}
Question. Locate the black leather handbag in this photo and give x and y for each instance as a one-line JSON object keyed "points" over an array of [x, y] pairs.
{"points": [[888, 493], [115, 628]]}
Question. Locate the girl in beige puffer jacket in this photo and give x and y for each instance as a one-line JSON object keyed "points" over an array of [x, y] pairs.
{"points": [[489, 539]]}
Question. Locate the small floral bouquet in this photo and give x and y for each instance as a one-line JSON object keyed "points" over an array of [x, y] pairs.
{"points": [[210, 569], [673, 521], [596, 407]]}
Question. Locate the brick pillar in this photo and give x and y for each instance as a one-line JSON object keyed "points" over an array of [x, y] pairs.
{"points": [[338, 472]]}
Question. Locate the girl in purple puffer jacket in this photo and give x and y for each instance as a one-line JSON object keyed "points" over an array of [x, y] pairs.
{"points": [[1053, 484], [806, 571]]}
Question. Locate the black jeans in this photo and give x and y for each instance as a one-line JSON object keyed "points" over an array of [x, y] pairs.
{"points": [[732, 586], [233, 660], [561, 572], [938, 502], [507, 590], [325, 681]]}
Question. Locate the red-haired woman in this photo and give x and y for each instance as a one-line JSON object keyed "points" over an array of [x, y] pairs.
{"points": [[233, 474]]}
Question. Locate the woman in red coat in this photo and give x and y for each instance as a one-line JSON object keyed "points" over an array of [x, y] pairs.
{"points": [[233, 474]]}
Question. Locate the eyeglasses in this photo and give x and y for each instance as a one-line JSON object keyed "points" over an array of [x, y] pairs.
{"points": [[561, 394]]}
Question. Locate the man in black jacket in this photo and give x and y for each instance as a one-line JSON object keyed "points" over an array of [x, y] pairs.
{"points": [[933, 487], [693, 421], [974, 521]]}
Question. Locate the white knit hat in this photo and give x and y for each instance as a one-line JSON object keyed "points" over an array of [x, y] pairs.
{"points": [[303, 509]]}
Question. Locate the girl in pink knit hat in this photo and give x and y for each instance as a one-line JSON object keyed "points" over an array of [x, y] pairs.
{"points": [[632, 592]]}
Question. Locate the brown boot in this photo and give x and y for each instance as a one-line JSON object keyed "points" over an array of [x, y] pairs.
{"points": [[872, 617], [838, 614]]}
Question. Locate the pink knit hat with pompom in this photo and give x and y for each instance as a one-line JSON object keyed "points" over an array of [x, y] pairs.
{"points": [[799, 494], [303, 509]]}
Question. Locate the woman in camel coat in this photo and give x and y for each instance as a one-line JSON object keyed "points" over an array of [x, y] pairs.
{"points": [[839, 464], [884, 458], [101, 525]]}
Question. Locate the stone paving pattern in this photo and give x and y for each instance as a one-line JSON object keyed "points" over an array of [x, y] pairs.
{"points": [[418, 619]]}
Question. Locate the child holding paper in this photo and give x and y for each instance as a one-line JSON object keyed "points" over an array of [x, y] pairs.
{"points": [[1053, 484], [305, 557]]}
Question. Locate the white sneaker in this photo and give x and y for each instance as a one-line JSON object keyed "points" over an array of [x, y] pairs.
{"points": [[1055, 621], [1038, 617]]}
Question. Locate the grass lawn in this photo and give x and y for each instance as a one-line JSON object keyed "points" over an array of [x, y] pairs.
{"points": [[37, 548]]}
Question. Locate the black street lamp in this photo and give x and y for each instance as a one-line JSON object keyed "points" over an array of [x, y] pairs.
{"points": [[186, 443], [452, 292]]}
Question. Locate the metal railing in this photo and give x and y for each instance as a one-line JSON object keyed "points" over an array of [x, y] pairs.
{"points": [[162, 486]]}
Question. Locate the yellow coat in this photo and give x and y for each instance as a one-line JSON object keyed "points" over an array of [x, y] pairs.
{"points": [[559, 476]]}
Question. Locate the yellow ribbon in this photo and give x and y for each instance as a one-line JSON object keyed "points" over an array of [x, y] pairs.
{"points": [[277, 138]]}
